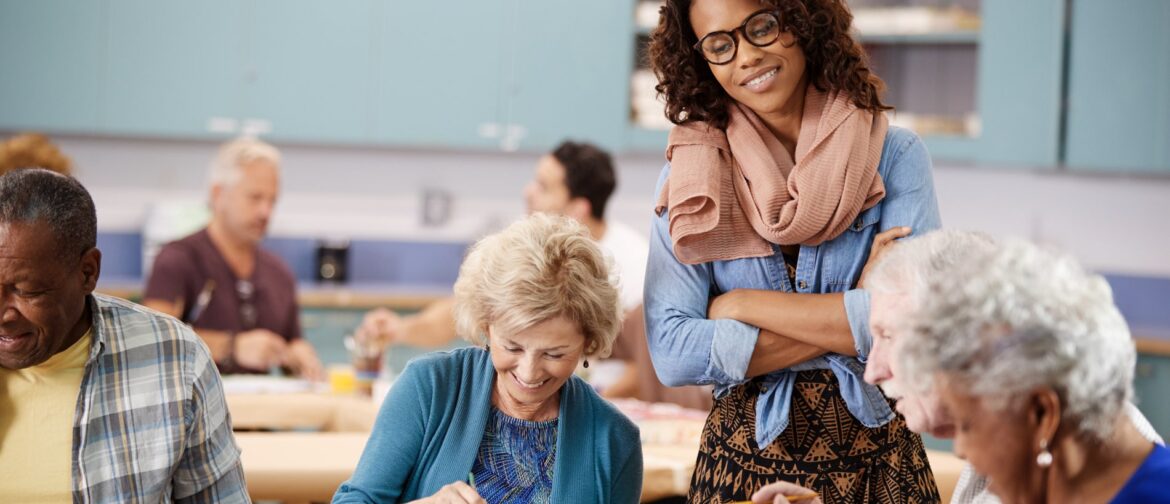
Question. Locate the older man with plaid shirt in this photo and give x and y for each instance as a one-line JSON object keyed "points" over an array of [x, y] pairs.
{"points": [[101, 400]]}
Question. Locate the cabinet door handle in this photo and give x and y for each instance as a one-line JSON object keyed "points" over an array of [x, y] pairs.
{"points": [[228, 125], [512, 136], [489, 130], [256, 127]]}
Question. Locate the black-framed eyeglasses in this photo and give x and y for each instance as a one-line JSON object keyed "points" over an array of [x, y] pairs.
{"points": [[245, 290], [759, 29]]}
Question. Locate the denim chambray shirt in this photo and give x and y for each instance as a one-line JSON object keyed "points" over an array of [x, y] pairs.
{"points": [[687, 348]]}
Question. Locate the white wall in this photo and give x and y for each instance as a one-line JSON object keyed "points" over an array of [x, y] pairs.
{"points": [[1114, 223]]}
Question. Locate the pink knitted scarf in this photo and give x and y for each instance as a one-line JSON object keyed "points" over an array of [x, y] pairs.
{"points": [[731, 193]]}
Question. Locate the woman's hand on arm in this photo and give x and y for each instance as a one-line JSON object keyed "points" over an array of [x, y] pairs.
{"points": [[881, 244]]}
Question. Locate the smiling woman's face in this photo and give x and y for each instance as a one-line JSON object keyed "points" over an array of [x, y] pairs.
{"points": [[764, 79], [532, 365]]}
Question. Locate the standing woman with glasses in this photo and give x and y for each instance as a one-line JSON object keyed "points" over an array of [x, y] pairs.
{"points": [[783, 176]]}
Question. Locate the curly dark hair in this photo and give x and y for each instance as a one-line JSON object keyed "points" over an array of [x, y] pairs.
{"points": [[835, 61]]}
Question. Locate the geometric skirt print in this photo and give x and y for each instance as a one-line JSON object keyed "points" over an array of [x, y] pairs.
{"points": [[824, 448]]}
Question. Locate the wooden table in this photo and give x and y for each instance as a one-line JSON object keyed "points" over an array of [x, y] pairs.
{"points": [[298, 466], [309, 466], [303, 411]]}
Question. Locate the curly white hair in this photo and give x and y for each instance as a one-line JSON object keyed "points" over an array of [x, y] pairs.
{"points": [[1019, 318]]}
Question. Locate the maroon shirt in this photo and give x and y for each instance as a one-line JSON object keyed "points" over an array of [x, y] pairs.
{"points": [[183, 270]]}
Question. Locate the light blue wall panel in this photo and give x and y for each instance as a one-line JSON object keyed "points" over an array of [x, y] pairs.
{"points": [[50, 64], [309, 68], [439, 73], [1020, 51], [172, 66], [571, 71], [1119, 86]]}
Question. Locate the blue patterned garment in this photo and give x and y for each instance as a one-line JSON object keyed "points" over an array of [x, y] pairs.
{"points": [[515, 460]]}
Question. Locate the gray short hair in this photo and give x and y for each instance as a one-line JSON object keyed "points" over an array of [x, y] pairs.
{"points": [[909, 265], [59, 202], [225, 168], [537, 269], [1020, 318]]}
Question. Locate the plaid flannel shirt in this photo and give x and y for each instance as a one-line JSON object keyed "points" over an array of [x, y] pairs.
{"points": [[151, 423]]}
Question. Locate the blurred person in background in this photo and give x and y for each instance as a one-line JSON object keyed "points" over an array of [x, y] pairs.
{"points": [[507, 420], [784, 174], [29, 150], [240, 298], [1034, 363], [574, 180]]}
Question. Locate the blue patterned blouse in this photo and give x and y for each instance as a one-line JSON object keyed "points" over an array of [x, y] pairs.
{"points": [[515, 460]]}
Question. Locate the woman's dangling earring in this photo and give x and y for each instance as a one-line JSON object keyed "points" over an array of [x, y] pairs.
{"points": [[1044, 459], [586, 363]]}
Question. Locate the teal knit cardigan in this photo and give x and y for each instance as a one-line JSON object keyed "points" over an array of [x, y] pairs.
{"points": [[430, 426]]}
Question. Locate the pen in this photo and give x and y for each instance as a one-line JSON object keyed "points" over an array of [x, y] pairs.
{"points": [[201, 301], [471, 479], [791, 498]]}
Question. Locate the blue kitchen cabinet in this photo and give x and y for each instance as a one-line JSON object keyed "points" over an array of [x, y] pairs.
{"points": [[1119, 86], [567, 75], [438, 74], [309, 70], [172, 69], [51, 56], [1019, 86]]}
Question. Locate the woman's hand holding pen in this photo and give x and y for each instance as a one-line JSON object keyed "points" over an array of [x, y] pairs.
{"points": [[454, 493], [784, 492]]}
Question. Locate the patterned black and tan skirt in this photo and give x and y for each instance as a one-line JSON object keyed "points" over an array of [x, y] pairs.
{"points": [[824, 448]]}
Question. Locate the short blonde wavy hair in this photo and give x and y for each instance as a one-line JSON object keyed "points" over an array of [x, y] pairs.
{"points": [[537, 269]]}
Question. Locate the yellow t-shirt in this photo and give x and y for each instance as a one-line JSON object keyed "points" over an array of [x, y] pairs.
{"points": [[37, 405]]}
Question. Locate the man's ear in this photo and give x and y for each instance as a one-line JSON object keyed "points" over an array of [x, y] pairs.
{"points": [[91, 269], [580, 209], [216, 192]]}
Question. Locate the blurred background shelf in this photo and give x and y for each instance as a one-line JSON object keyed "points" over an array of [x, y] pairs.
{"points": [[959, 37]]}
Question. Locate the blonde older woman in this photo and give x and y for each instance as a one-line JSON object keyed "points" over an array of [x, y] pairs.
{"points": [[1034, 363], [506, 421]]}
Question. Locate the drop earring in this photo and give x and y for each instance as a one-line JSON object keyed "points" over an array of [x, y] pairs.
{"points": [[1044, 459], [586, 364]]}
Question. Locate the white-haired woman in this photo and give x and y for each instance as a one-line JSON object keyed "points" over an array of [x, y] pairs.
{"points": [[506, 421], [1035, 364]]}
